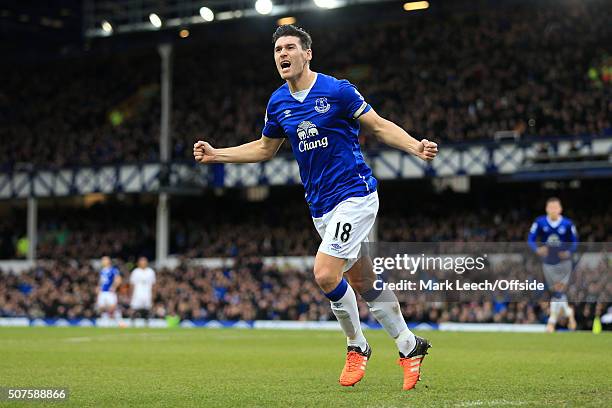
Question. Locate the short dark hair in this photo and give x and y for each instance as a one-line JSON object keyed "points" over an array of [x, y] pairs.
{"points": [[291, 30], [553, 200]]}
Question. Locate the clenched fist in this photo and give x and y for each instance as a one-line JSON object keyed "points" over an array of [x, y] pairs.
{"points": [[428, 150], [203, 152], [542, 251]]}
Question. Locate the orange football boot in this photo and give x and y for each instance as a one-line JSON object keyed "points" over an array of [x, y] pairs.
{"points": [[412, 363], [355, 366]]}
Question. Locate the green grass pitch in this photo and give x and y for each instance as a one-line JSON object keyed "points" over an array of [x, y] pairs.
{"points": [[264, 368]]}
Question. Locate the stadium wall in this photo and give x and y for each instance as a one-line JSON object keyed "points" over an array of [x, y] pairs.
{"points": [[261, 325], [469, 159]]}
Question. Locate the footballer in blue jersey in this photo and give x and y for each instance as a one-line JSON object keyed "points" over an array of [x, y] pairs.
{"points": [[323, 132], [322, 117], [554, 239], [110, 279]]}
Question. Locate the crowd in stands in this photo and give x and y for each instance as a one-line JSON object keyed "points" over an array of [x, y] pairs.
{"points": [[219, 226], [124, 232], [64, 284], [536, 70], [250, 291]]}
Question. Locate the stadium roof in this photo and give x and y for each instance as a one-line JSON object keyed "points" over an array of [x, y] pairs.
{"points": [[107, 17], [30, 17]]}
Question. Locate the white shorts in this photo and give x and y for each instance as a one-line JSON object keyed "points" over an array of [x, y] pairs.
{"points": [[344, 228], [106, 300], [558, 306], [141, 302]]}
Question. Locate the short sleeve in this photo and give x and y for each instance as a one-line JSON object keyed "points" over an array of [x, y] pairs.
{"points": [[272, 129], [353, 104]]}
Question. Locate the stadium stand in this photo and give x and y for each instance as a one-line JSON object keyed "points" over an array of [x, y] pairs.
{"points": [[547, 72], [281, 226], [247, 291]]}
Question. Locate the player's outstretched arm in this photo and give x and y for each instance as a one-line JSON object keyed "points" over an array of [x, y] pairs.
{"points": [[256, 151], [392, 135]]}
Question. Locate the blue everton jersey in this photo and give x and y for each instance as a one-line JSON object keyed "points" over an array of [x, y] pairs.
{"points": [[558, 236], [107, 277], [323, 131]]}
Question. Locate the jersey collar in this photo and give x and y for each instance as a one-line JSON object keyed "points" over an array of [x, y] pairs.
{"points": [[554, 224], [301, 96]]}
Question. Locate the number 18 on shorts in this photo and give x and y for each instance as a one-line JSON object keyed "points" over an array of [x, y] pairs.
{"points": [[344, 228]]}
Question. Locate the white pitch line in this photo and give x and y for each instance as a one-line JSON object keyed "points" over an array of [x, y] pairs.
{"points": [[492, 403]]}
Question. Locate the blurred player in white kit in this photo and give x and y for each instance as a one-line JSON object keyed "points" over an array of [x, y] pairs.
{"points": [[142, 281]]}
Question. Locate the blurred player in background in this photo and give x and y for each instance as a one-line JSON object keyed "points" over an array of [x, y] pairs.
{"points": [[321, 117], [554, 239], [142, 280], [110, 279]]}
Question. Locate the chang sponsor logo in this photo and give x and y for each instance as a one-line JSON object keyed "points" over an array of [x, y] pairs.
{"points": [[307, 132], [553, 240]]}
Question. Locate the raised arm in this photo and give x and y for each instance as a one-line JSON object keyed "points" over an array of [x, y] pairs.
{"points": [[256, 151], [392, 135]]}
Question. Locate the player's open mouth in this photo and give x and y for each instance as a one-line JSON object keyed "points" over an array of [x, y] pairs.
{"points": [[285, 65]]}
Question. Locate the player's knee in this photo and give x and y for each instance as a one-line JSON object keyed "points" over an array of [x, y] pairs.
{"points": [[326, 277]]}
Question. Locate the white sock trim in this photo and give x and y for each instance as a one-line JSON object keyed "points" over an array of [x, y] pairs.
{"points": [[406, 341]]}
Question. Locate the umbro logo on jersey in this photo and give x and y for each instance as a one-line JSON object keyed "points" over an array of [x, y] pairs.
{"points": [[287, 113], [321, 105], [336, 247]]}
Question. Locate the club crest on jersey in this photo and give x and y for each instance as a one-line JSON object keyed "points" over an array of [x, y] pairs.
{"points": [[321, 105]]}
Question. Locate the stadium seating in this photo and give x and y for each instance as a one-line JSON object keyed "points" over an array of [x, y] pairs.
{"points": [[247, 291], [543, 75]]}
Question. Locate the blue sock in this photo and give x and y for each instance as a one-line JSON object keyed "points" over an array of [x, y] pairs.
{"points": [[336, 294], [371, 295]]}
